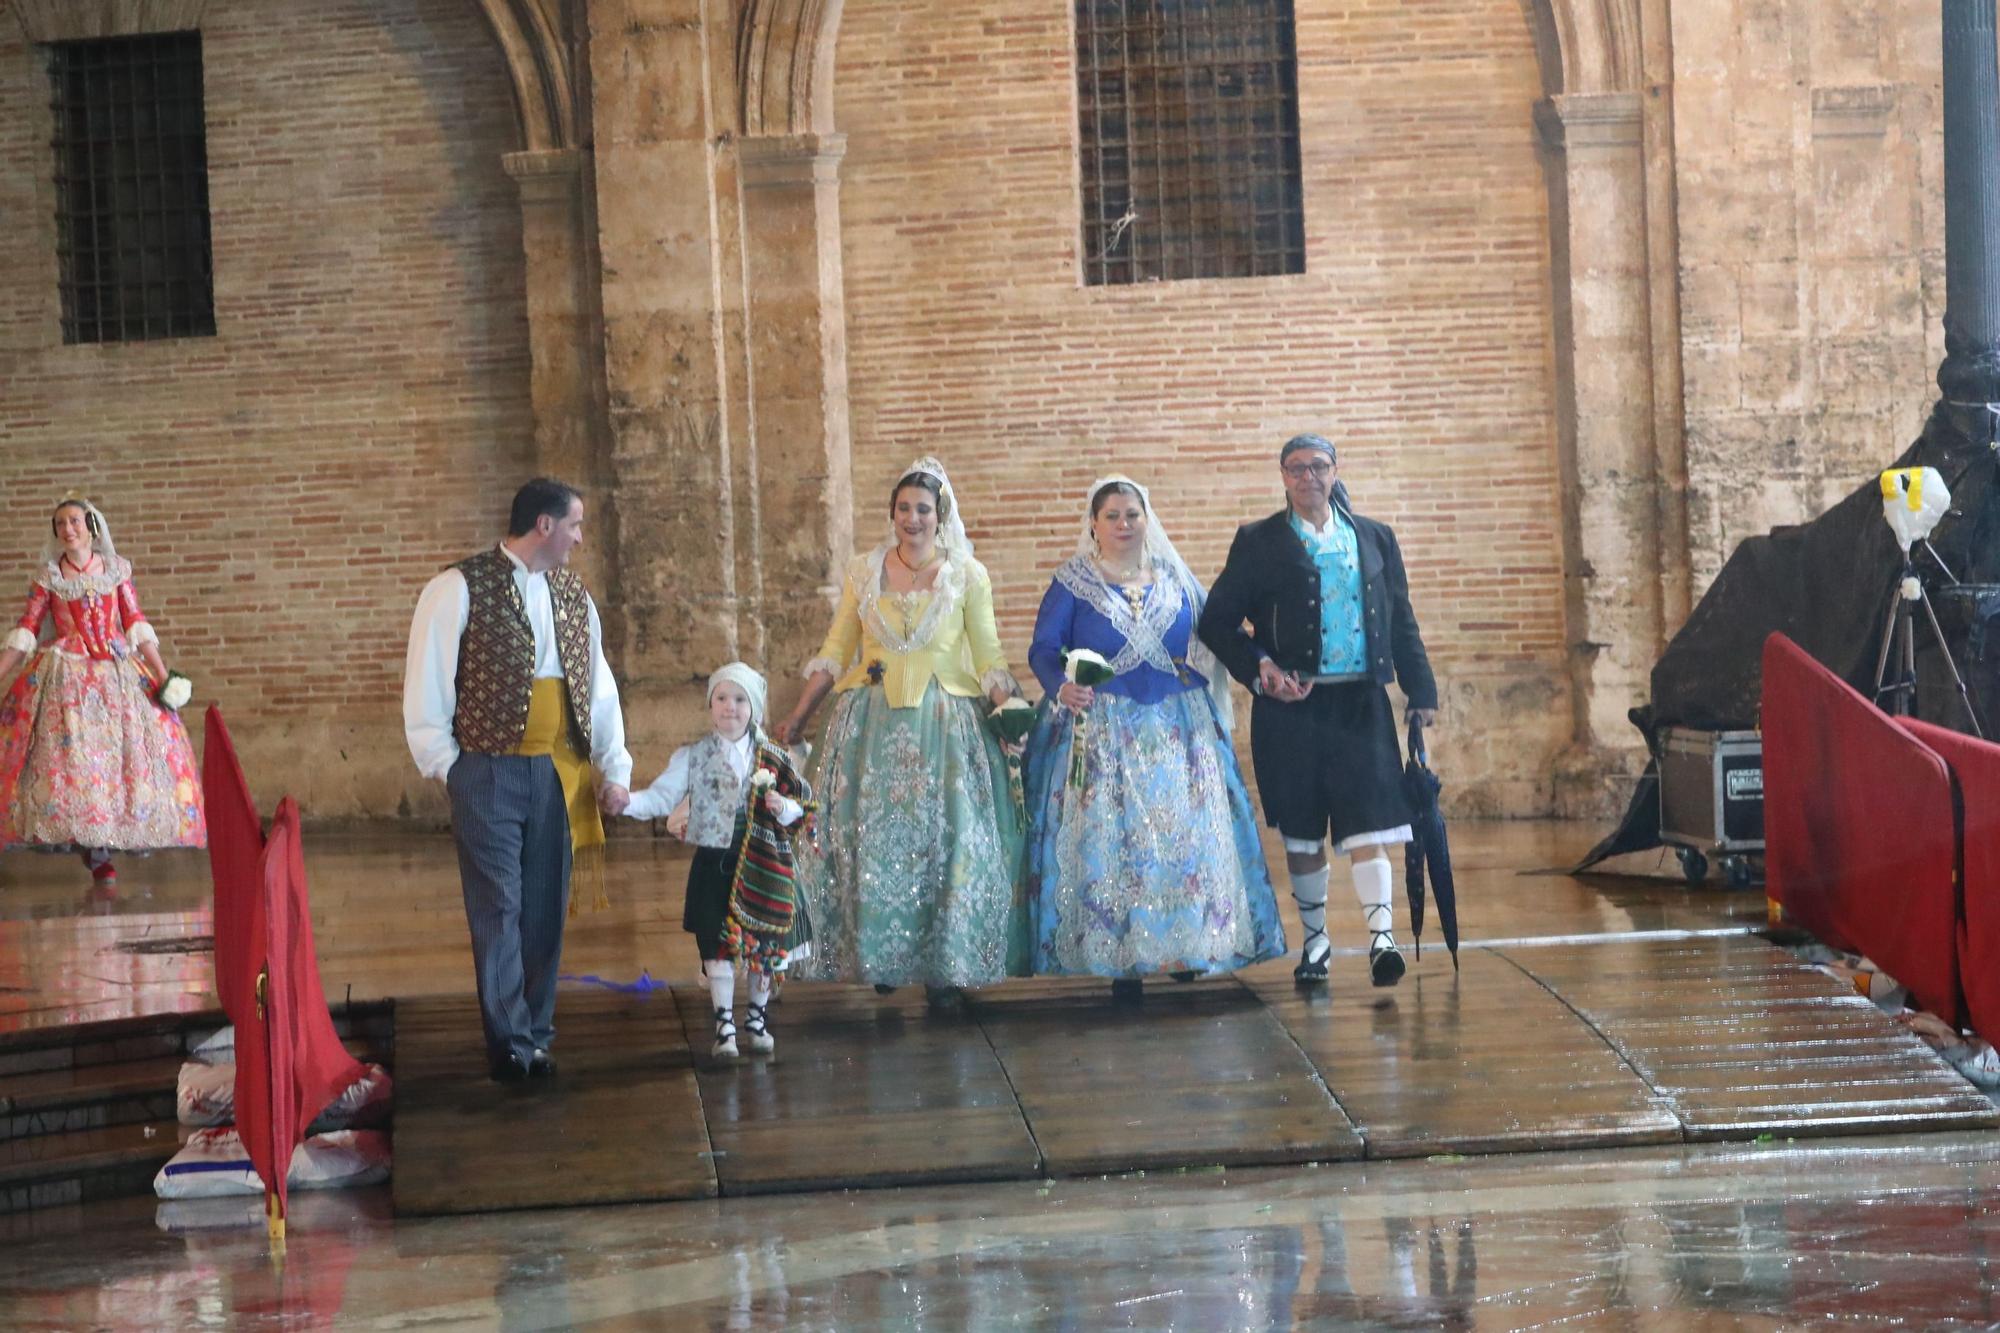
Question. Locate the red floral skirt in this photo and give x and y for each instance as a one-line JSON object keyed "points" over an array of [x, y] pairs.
{"points": [[87, 759]]}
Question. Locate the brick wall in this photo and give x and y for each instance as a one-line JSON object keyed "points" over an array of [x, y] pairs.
{"points": [[285, 488], [1418, 338]]}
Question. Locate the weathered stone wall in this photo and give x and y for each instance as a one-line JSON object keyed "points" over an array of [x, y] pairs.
{"points": [[1419, 336], [1810, 173], [286, 487]]}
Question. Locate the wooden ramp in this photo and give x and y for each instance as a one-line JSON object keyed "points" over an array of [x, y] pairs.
{"points": [[862, 1090], [1483, 1060], [1194, 1074], [1557, 1047], [622, 1123], [1742, 1039]]}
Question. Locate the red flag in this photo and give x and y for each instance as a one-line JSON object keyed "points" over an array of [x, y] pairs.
{"points": [[235, 845], [289, 1060], [320, 1067]]}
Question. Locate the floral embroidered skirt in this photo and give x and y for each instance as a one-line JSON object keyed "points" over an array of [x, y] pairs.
{"points": [[1152, 863], [88, 760], [913, 875]]}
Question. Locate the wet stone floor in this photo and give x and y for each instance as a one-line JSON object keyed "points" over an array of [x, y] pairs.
{"points": [[1772, 1232], [1882, 1232]]}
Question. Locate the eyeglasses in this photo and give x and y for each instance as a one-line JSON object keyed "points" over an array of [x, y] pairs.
{"points": [[1319, 471]]}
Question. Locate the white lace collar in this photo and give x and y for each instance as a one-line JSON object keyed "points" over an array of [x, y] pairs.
{"points": [[1144, 631], [69, 587], [946, 589]]}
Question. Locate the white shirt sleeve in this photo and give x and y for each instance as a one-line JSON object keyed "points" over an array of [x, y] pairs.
{"points": [[430, 673], [607, 719], [658, 801]]}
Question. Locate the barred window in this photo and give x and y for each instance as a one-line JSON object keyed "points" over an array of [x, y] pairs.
{"points": [[1189, 137], [131, 147]]}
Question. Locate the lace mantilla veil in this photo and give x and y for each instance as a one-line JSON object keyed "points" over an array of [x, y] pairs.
{"points": [[1166, 563]]}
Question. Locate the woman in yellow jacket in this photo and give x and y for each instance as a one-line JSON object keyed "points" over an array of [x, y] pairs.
{"points": [[915, 871]]}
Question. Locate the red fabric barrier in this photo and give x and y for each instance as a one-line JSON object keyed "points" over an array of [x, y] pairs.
{"points": [[289, 1060], [303, 1042], [235, 844], [1861, 842], [1976, 766]]}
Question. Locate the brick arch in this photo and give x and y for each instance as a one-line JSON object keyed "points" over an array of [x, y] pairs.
{"points": [[1586, 46], [539, 47], [784, 65]]}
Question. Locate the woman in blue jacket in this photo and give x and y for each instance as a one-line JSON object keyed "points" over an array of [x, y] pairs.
{"points": [[1143, 854]]}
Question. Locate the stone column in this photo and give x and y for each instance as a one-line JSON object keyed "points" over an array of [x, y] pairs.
{"points": [[796, 324], [565, 342], [668, 414], [1611, 500]]}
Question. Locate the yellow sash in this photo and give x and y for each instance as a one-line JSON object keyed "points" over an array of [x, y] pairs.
{"points": [[548, 733]]}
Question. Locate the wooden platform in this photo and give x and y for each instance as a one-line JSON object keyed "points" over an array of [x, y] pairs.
{"points": [[1526, 1048], [623, 1122]]}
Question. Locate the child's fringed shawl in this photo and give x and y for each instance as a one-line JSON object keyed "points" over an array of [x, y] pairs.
{"points": [[763, 899]]}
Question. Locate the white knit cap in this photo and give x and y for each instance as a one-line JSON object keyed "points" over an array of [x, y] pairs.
{"points": [[750, 680]]}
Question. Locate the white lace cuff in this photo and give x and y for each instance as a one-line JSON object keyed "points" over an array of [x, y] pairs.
{"points": [[20, 640], [819, 664], [142, 634], [999, 678]]}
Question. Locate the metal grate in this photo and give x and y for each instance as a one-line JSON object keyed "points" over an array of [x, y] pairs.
{"points": [[132, 189], [1189, 115]]}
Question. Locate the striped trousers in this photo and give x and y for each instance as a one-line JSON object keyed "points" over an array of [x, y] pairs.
{"points": [[512, 830]]}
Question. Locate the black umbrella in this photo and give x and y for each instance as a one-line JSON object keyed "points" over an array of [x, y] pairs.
{"points": [[1428, 847]]}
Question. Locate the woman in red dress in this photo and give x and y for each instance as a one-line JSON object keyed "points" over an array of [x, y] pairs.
{"points": [[88, 761]]}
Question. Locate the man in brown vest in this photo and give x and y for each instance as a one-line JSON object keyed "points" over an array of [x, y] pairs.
{"points": [[508, 699]]}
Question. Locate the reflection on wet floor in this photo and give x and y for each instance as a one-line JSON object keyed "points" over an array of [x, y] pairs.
{"points": [[1869, 1232], [389, 919]]}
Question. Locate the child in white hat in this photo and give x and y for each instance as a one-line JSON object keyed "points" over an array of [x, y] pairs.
{"points": [[743, 799]]}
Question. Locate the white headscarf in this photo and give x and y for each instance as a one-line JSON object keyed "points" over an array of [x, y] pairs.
{"points": [[100, 531], [951, 524], [749, 680], [1166, 563]]}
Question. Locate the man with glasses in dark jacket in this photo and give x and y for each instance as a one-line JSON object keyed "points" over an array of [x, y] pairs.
{"points": [[1328, 608]]}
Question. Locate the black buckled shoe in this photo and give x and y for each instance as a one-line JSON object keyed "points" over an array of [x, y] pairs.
{"points": [[1127, 990], [510, 1068], [541, 1065]]}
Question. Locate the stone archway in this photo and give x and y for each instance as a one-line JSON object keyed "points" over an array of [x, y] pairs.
{"points": [[784, 64], [536, 42], [1587, 46]]}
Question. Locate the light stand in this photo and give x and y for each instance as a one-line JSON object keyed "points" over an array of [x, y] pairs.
{"points": [[1899, 637]]}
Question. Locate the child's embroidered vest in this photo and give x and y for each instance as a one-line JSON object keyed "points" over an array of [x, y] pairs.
{"points": [[715, 793]]}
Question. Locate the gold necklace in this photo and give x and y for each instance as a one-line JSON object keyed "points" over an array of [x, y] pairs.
{"points": [[903, 560], [1120, 575]]}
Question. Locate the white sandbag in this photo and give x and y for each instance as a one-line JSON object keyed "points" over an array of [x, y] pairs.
{"points": [[218, 1048], [206, 1094], [364, 1103], [213, 1163]]}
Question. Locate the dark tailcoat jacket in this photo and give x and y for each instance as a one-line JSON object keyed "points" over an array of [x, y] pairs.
{"points": [[1270, 581]]}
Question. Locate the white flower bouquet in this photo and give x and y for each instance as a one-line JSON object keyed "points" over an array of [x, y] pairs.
{"points": [[1083, 667], [1012, 721], [174, 692], [1086, 668]]}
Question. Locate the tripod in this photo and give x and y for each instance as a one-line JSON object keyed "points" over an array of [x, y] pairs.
{"points": [[1899, 635]]}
